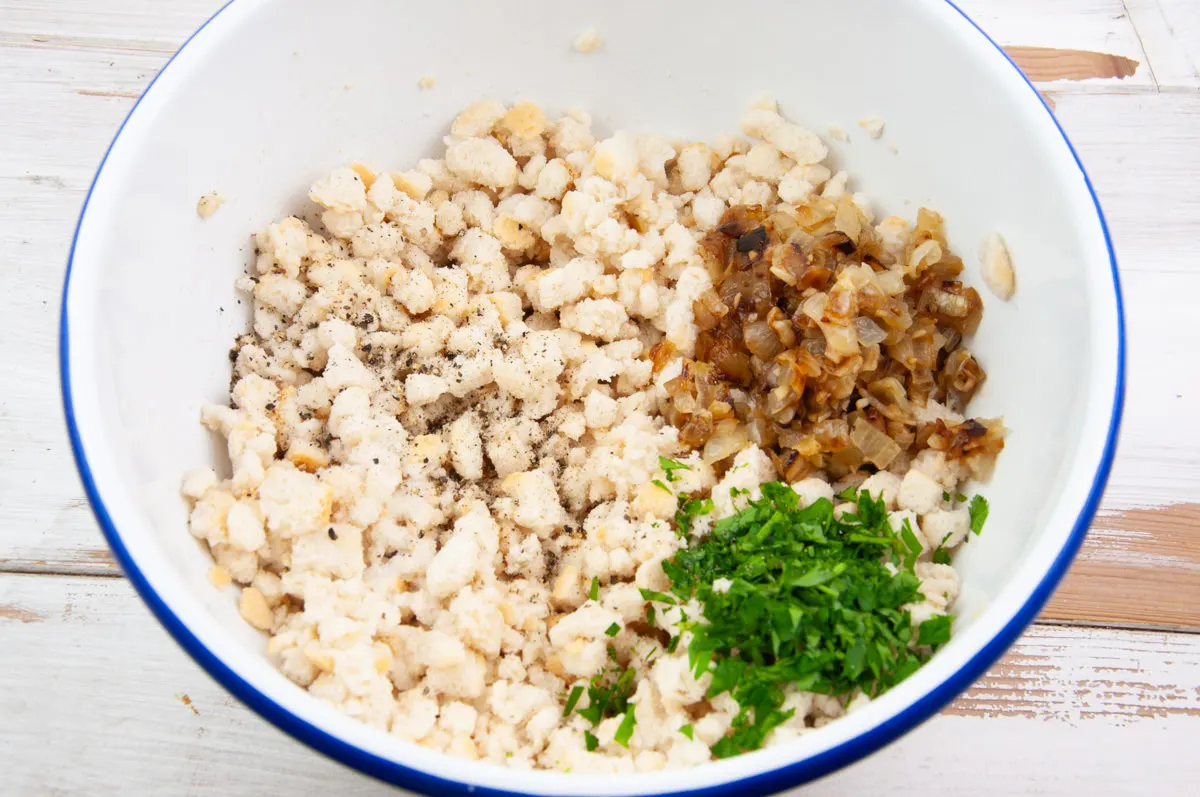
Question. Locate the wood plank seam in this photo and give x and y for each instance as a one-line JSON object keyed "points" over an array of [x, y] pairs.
{"points": [[1043, 621], [33, 569], [1145, 53], [1171, 32]]}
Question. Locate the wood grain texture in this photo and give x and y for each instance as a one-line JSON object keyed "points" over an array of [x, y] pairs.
{"points": [[54, 137], [1151, 557], [1088, 26], [1139, 566], [1057, 674], [1047, 64], [141, 24], [1169, 31], [96, 683]]}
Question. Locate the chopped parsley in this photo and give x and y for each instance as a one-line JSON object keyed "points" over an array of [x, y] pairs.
{"points": [[625, 729], [594, 592], [590, 741], [649, 615], [660, 483], [979, 512], [669, 466], [608, 697], [940, 555], [686, 730], [651, 595], [612, 630], [811, 604], [935, 631], [576, 693], [690, 509], [911, 543]]}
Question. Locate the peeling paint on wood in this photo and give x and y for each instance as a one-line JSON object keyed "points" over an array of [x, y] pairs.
{"points": [[97, 556], [20, 614], [129, 95], [1166, 535], [1138, 567], [1105, 678], [1043, 64], [1121, 595]]}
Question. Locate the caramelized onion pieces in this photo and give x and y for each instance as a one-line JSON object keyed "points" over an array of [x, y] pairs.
{"points": [[824, 344]]}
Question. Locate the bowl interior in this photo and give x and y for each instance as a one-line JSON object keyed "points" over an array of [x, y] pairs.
{"points": [[271, 95]]}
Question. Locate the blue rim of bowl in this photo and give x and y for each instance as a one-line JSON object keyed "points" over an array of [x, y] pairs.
{"points": [[764, 783]]}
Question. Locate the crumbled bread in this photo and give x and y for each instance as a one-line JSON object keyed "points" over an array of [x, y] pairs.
{"points": [[587, 42], [209, 204], [444, 429]]}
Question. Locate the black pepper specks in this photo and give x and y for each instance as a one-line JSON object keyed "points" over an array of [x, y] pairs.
{"points": [[332, 533]]}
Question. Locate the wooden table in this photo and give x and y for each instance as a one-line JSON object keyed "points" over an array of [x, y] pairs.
{"points": [[1101, 697]]}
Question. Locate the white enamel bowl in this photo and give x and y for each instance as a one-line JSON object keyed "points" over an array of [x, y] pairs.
{"points": [[271, 94]]}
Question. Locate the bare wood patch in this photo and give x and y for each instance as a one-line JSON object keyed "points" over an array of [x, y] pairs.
{"points": [[1042, 64], [1101, 593], [20, 614], [1173, 530], [1138, 567], [96, 556], [129, 95]]}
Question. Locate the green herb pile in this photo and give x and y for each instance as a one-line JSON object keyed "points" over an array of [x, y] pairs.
{"points": [[608, 696], [811, 604]]}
